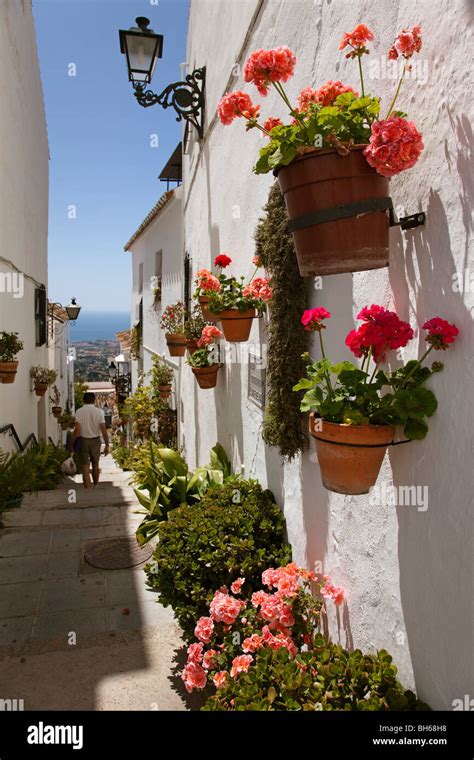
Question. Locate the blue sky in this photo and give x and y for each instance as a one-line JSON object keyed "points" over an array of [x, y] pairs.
{"points": [[99, 139]]}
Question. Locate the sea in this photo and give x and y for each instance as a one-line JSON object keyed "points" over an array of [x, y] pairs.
{"points": [[99, 325]]}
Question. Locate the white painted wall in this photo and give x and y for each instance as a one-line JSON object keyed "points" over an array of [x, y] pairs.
{"points": [[23, 209], [163, 234], [408, 574]]}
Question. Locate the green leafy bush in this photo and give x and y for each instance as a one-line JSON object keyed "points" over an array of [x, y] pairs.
{"points": [[328, 677], [235, 530], [10, 346], [36, 469], [164, 474]]}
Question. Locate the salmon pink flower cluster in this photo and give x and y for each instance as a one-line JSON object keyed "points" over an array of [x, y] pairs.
{"points": [[312, 319], [286, 615], [207, 282], [271, 123], [237, 104], [394, 146], [258, 289], [222, 261], [208, 335], [326, 95], [406, 44], [357, 40], [265, 67], [381, 330], [440, 333]]}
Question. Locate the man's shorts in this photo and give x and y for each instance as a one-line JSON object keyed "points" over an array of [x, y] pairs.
{"points": [[90, 451]]}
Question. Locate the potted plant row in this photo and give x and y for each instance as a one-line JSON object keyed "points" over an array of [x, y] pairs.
{"points": [[204, 362], [354, 411], [10, 347], [162, 377], [42, 377], [231, 301], [335, 158], [172, 322]]}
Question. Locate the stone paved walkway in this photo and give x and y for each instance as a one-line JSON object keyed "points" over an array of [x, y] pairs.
{"points": [[50, 597]]}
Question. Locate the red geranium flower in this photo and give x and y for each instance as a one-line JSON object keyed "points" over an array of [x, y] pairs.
{"points": [[312, 318], [266, 66], [406, 44], [382, 330], [440, 333], [394, 145], [357, 40], [222, 261], [236, 104]]}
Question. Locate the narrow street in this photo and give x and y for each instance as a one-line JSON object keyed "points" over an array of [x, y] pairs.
{"points": [[73, 636]]}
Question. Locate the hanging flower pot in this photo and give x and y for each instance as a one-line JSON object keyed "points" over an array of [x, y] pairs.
{"points": [[41, 388], [8, 372], [164, 392], [350, 456], [236, 324], [337, 206], [207, 315], [206, 376], [176, 343], [56, 410]]}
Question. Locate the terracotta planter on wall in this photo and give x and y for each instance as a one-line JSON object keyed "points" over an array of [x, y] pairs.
{"points": [[337, 240], [176, 343], [8, 372], [41, 388], [57, 411], [206, 376], [351, 468], [164, 391], [236, 325], [192, 346], [208, 316]]}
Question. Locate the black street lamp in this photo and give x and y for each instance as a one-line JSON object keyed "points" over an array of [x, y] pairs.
{"points": [[142, 48], [72, 310], [112, 369]]}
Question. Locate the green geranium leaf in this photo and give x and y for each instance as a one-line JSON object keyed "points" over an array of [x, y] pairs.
{"points": [[415, 429]]}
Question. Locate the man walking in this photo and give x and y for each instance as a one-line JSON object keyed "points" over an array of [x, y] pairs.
{"points": [[90, 424]]}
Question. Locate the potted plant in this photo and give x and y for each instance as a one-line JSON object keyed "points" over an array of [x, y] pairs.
{"points": [[355, 410], [55, 398], [172, 322], [334, 159], [15, 477], [43, 377], [10, 346], [205, 361], [193, 327], [162, 377], [135, 341], [66, 420], [234, 302]]}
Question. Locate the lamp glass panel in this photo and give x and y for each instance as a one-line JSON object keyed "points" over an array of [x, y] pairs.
{"points": [[141, 56]]}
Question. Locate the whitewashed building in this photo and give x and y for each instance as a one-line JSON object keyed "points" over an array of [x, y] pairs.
{"points": [[24, 157], [407, 572]]}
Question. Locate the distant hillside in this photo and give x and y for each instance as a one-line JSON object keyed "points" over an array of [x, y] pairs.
{"points": [[93, 357]]}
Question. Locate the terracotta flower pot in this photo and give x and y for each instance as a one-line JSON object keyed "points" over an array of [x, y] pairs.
{"points": [[41, 388], [56, 410], [64, 425], [8, 372], [351, 468], [321, 182], [164, 391], [176, 343], [208, 316], [206, 376], [192, 346], [236, 325]]}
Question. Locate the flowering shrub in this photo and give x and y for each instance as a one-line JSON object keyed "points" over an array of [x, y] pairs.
{"points": [[284, 615], [360, 397], [326, 677], [172, 320], [334, 115], [208, 352], [194, 323], [227, 292], [235, 531]]}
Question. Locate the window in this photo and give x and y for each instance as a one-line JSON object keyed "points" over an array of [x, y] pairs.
{"points": [[41, 317]]}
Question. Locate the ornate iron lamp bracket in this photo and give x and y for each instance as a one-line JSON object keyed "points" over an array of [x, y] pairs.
{"points": [[186, 97]]}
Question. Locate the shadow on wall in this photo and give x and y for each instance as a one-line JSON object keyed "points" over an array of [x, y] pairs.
{"points": [[433, 542]]}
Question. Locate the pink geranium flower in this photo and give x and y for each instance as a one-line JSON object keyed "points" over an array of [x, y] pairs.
{"points": [[326, 95], [259, 289], [208, 334], [208, 659], [241, 664], [207, 281], [406, 44], [195, 652], [252, 643], [204, 629], [236, 586], [394, 145], [266, 66], [236, 104], [440, 333], [220, 679], [357, 40], [312, 319], [225, 608], [194, 677], [272, 122]]}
